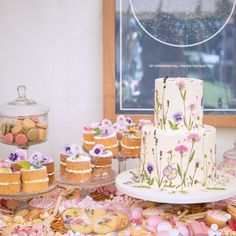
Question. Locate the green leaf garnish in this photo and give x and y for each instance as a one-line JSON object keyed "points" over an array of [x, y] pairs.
{"points": [[24, 164], [97, 131]]}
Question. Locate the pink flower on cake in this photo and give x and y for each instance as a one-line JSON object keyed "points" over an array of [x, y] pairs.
{"points": [[192, 107], [170, 173], [180, 83], [181, 148], [194, 138]]}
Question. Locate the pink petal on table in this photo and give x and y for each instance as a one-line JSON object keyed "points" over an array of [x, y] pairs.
{"points": [[137, 213], [154, 220], [164, 226]]}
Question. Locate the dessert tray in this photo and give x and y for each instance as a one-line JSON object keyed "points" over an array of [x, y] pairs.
{"points": [[224, 188], [26, 196], [93, 183]]}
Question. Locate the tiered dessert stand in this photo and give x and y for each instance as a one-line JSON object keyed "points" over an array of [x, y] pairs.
{"points": [[128, 183], [122, 161], [12, 113], [86, 187]]}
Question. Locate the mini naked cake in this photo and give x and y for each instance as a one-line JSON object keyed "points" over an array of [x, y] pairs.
{"points": [[34, 178], [17, 156], [78, 168], [67, 151], [101, 161], [107, 136], [88, 138], [121, 125], [131, 139], [9, 179], [45, 161]]}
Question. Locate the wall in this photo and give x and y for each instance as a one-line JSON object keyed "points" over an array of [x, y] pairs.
{"points": [[55, 48]]}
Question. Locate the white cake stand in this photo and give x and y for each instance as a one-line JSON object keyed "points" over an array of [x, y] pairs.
{"points": [[224, 188]]}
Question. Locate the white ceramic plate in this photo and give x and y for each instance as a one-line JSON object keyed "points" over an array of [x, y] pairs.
{"points": [[225, 188]]}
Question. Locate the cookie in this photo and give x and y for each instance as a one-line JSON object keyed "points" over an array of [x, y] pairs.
{"points": [[32, 134], [92, 213], [23, 212], [77, 220], [42, 134], [28, 123], [218, 217], [34, 213], [5, 128], [106, 224], [8, 138], [124, 220], [42, 125], [16, 129], [21, 139]]}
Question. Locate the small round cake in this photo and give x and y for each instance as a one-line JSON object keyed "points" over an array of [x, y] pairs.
{"points": [[101, 160], [9, 179], [107, 135], [38, 157], [78, 168], [88, 138], [34, 179]]}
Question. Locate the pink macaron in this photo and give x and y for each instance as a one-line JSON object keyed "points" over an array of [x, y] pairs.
{"points": [[21, 139], [8, 138]]}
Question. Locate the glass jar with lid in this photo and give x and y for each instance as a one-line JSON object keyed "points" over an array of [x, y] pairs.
{"points": [[23, 122], [228, 164]]}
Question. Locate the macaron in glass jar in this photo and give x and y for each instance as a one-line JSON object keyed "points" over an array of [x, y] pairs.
{"points": [[23, 122], [228, 164]]}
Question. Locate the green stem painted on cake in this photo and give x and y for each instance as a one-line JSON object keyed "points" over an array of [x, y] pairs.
{"points": [[191, 156]]}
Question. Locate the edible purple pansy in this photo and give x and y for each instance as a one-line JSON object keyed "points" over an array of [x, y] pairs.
{"points": [[178, 117]]}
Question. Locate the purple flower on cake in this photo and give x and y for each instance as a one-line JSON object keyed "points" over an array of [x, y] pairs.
{"points": [[150, 168], [75, 149], [121, 119], [170, 173], [129, 120], [18, 155], [106, 123], [36, 157], [66, 149], [181, 149], [178, 117], [47, 159], [180, 83], [194, 138], [97, 150]]}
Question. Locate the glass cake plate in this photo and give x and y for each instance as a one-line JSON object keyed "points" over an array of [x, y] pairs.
{"points": [[26, 196], [93, 183], [224, 187]]}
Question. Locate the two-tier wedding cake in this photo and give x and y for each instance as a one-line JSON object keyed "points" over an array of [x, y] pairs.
{"points": [[178, 152]]}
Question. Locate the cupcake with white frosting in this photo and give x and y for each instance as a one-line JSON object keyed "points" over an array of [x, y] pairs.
{"points": [[101, 160], [78, 168]]}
